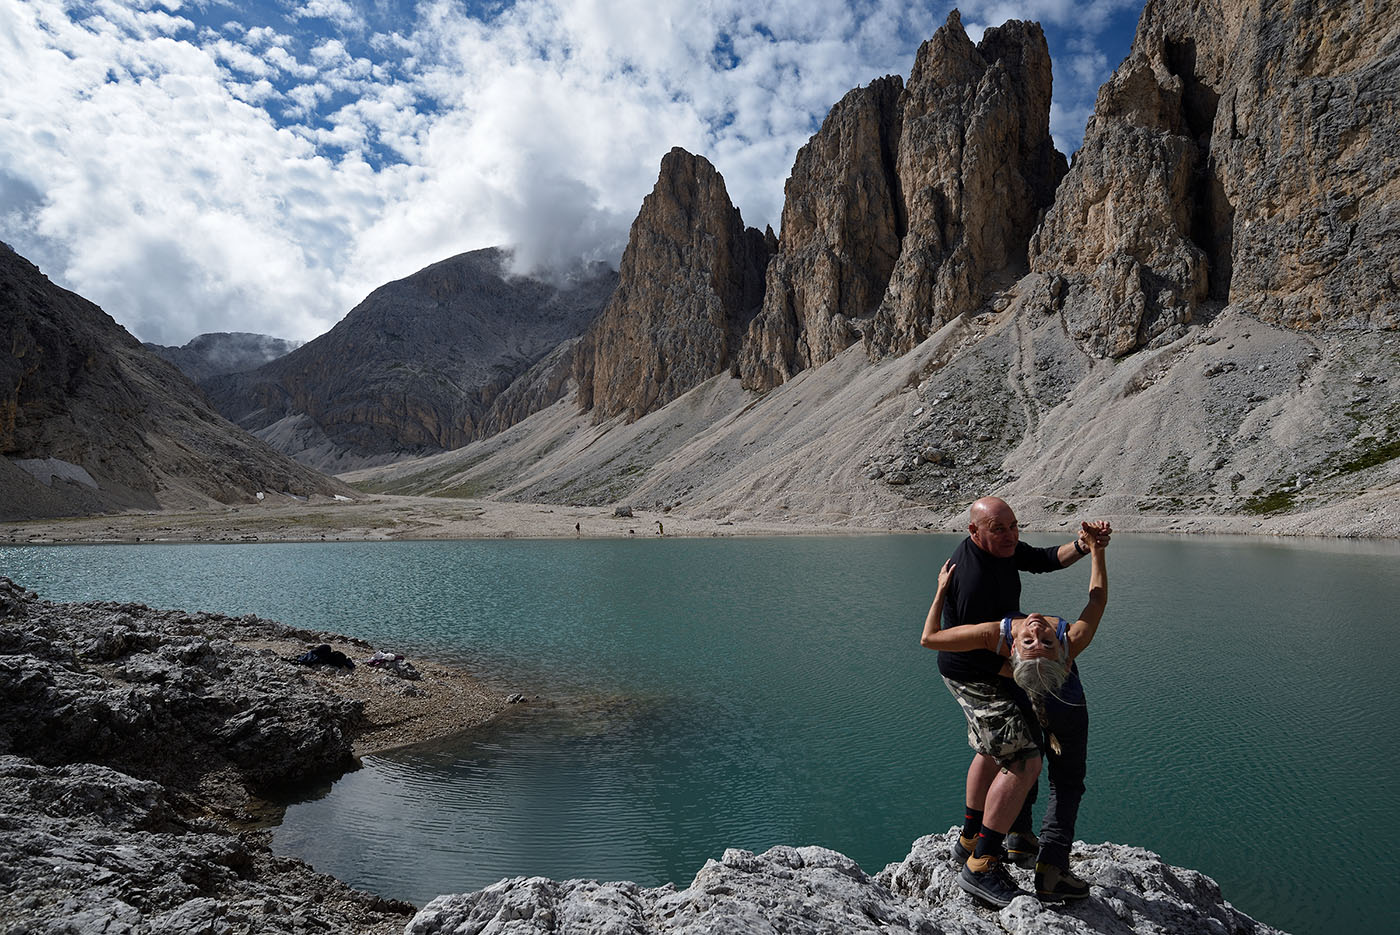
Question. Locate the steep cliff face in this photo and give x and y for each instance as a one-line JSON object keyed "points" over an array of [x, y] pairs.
{"points": [[1300, 101], [91, 421], [976, 168], [1243, 154], [843, 220], [418, 366], [690, 281]]}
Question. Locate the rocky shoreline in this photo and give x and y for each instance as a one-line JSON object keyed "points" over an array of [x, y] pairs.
{"points": [[136, 746]]}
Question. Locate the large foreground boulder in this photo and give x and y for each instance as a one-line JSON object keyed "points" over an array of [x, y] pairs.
{"points": [[799, 890]]}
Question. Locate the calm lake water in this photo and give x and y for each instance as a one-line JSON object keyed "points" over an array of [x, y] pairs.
{"points": [[707, 694]]}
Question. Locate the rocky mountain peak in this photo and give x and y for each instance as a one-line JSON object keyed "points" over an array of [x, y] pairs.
{"points": [[690, 281], [453, 352], [218, 353], [976, 169], [843, 219], [91, 421], [1235, 156]]}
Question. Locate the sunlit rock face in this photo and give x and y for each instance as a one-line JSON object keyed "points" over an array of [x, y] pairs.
{"points": [[976, 169], [792, 890], [690, 281], [843, 220], [1237, 155]]}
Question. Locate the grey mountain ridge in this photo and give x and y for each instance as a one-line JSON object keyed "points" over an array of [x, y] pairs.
{"points": [[1202, 321], [91, 421], [421, 365], [218, 353]]}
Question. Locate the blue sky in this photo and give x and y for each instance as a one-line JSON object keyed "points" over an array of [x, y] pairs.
{"points": [[211, 166]]}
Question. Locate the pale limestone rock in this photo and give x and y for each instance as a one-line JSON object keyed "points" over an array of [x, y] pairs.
{"points": [[976, 168], [841, 230], [690, 282], [799, 890], [1243, 153]]}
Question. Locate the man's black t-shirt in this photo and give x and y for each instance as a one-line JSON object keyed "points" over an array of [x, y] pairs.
{"points": [[984, 588]]}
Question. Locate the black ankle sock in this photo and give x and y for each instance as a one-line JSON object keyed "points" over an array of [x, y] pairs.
{"points": [[989, 843], [972, 822]]}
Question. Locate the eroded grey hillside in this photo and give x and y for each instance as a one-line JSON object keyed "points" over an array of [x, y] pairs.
{"points": [[427, 363], [91, 421], [1203, 322]]}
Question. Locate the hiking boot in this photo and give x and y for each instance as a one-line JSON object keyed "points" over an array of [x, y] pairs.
{"points": [[962, 849], [987, 879], [1021, 848], [1054, 883]]}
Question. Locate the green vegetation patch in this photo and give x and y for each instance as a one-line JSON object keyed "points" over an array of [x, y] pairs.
{"points": [[473, 489], [1276, 502], [1380, 454]]}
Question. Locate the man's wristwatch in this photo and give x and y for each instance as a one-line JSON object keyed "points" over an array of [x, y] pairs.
{"points": [[1079, 548]]}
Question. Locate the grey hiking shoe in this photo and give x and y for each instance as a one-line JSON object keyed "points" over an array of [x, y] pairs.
{"points": [[1021, 849], [1054, 883], [987, 879], [962, 849]]}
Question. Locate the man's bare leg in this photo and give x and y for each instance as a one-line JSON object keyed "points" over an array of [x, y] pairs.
{"points": [[1004, 797]]}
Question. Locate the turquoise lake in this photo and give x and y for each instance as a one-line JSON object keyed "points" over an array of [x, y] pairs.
{"points": [[706, 693]]}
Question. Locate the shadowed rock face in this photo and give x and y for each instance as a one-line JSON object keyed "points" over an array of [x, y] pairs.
{"points": [[690, 282], [976, 168], [843, 219], [1236, 155], [418, 366], [109, 424]]}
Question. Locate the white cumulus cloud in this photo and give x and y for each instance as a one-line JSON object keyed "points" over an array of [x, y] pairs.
{"points": [[262, 167]]}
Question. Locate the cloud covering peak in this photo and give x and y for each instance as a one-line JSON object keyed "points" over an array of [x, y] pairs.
{"points": [[261, 167]]}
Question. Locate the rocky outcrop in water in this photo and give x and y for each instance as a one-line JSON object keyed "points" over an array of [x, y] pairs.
{"points": [[792, 890], [91, 421], [417, 367], [690, 282], [87, 849], [128, 738], [163, 695]]}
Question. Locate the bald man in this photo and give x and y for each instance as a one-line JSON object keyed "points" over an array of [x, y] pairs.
{"points": [[986, 585]]}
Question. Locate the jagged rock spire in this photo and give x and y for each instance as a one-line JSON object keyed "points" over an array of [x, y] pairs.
{"points": [[690, 282]]}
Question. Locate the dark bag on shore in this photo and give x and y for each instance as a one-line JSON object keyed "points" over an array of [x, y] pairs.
{"points": [[323, 655]]}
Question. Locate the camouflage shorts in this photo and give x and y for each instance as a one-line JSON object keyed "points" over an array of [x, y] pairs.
{"points": [[995, 725]]}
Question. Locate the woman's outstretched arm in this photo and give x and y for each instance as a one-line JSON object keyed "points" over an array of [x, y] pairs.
{"points": [[1081, 632], [954, 639]]}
